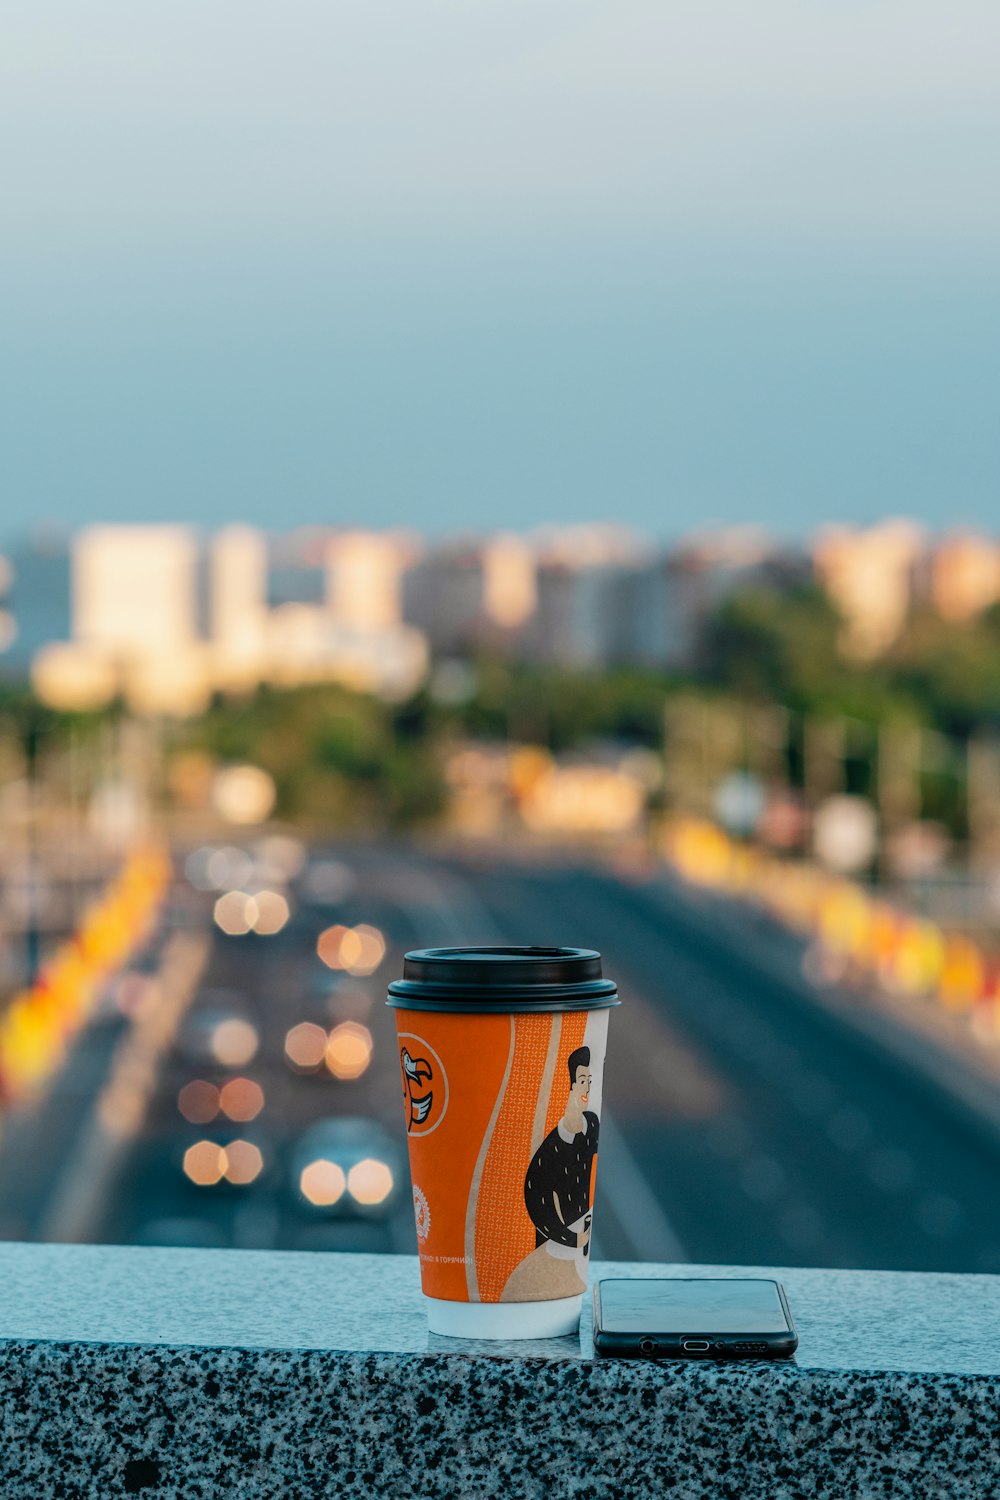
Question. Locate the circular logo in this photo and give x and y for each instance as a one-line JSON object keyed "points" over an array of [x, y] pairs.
{"points": [[425, 1084], [421, 1213]]}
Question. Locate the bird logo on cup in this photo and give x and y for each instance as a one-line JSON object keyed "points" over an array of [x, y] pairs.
{"points": [[425, 1086], [417, 1073]]}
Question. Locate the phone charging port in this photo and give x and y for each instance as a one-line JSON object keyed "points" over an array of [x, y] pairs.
{"points": [[695, 1346]]}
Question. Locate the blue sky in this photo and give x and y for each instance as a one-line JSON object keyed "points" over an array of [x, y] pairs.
{"points": [[454, 263]]}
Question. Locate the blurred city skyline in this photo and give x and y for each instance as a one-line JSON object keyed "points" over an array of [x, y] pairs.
{"points": [[168, 614], [684, 265]]}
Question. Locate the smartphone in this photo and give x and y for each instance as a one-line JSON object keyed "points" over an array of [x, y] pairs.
{"points": [[697, 1317]]}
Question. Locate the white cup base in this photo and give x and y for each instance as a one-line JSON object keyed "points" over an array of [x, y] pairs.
{"points": [[504, 1320]]}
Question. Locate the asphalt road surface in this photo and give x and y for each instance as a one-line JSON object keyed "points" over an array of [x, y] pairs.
{"points": [[748, 1117]]}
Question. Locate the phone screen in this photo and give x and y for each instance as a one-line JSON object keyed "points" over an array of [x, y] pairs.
{"points": [[699, 1305]]}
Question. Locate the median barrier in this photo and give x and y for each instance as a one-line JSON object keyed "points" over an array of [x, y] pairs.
{"points": [[861, 935]]}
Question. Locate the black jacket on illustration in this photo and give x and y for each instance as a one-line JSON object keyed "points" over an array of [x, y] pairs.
{"points": [[561, 1169]]}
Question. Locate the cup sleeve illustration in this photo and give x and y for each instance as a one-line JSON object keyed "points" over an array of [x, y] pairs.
{"points": [[558, 1192]]}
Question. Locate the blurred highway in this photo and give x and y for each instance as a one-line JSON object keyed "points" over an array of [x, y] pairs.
{"points": [[748, 1117]]}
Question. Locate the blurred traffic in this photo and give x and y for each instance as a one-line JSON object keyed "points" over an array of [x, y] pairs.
{"points": [[268, 1132], [239, 1086]]}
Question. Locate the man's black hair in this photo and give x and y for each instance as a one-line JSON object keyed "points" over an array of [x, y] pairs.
{"points": [[578, 1059]]}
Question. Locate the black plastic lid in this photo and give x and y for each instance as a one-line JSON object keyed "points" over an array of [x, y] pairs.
{"points": [[502, 979]]}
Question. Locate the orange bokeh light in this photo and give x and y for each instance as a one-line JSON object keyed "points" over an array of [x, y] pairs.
{"points": [[233, 913], [244, 1162], [305, 1046], [349, 1050], [369, 1181], [205, 1163], [359, 949], [270, 912], [322, 1182], [198, 1101], [241, 1099], [328, 945]]}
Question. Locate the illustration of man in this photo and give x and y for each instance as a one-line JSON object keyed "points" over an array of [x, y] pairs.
{"points": [[557, 1195]]}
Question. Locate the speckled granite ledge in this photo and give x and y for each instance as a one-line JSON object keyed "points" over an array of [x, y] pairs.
{"points": [[240, 1374]]}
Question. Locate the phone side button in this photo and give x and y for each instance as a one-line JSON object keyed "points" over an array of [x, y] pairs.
{"points": [[696, 1346]]}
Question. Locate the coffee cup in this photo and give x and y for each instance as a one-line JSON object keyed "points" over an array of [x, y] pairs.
{"points": [[501, 1054]]}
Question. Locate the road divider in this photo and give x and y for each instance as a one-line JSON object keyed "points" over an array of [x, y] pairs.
{"points": [[41, 1021]]}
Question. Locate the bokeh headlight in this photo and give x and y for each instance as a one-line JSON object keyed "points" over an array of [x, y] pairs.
{"points": [[370, 1182], [322, 1183]]}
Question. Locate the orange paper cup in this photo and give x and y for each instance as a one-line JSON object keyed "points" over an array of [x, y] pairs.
{"points": [[501, 1054]]}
